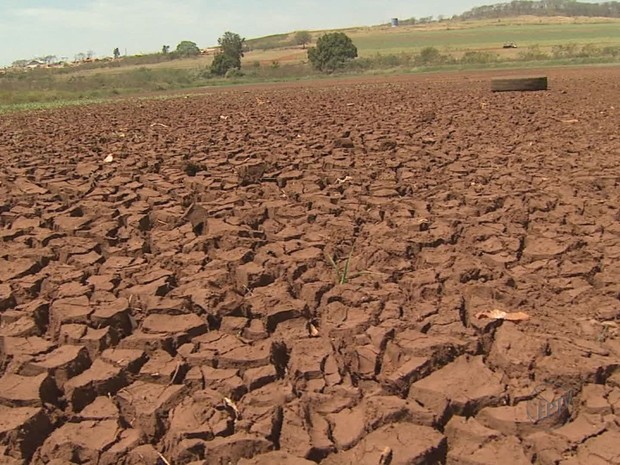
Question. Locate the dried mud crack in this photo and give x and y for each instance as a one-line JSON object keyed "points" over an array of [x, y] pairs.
{"points": [[292, 275]]}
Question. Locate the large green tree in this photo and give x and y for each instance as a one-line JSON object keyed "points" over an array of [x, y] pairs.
{"points": [[231, 52], [231, 45], [187, 49], [332, 51]]}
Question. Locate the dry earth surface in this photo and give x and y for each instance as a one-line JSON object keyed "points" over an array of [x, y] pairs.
{"points": [[179, 300]]}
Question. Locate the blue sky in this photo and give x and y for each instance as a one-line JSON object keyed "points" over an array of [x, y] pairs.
{"points": [[31, 28]]}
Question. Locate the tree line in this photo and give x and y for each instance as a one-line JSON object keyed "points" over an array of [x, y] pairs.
{"points": [[331, 51], [544, 8]]}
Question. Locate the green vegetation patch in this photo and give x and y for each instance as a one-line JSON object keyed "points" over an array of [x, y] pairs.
{"points": [[412, 38]]}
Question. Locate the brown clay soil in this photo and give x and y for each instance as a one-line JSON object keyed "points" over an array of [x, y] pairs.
{"points": [[180, 299]]}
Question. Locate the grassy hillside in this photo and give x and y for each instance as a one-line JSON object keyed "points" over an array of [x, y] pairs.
{"points": [[458, 37], [485, 37], [467, 44]]}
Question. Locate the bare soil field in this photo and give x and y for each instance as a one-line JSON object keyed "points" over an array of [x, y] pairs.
{"points": [[167, 293]]}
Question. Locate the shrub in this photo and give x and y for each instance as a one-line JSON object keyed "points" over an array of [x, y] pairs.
{"points": [[332, 51], [187, 49], [533, 53], [361, 64], [388, 61], [222, 63], [478, 57], [143, 75], [611, 51], [430, 56], [233, 73], [590, 50], [564, 51], [302, 38]]}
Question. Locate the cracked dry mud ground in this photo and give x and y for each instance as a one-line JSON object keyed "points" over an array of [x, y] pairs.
{"points": [[145, 310]]}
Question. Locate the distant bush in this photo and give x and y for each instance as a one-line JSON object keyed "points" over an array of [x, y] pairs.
{"points": [[332, 51], [478, 57], [222, 64], [140, 75], [233, 73], [283, 71], [533, 53], [589, 50], [611, 51], [187, 48], [360, 64], [391, 61], [302, 38], [564, 51], [586, 51], [430, 56]]}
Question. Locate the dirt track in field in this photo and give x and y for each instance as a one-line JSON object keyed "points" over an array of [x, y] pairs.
{"points": [[179, 300]]}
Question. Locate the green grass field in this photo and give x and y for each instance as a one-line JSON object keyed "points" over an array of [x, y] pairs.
{"points": [[488, 37]]}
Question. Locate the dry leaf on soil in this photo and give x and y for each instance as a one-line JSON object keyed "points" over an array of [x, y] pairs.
{"points": [[501, 315], [231, 405]]}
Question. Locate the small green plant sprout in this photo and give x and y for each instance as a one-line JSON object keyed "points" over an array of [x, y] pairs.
{"points": [[342, 275], [343, 272]]}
